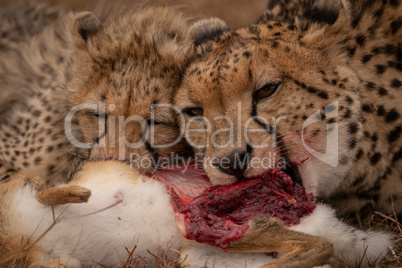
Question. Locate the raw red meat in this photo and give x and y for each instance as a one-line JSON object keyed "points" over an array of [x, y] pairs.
{"points": [[219, 215]]}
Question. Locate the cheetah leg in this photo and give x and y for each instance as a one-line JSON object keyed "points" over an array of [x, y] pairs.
{"points": [[9, 176], [6, 173], [269, 235], [46, 195], [63, 194]]}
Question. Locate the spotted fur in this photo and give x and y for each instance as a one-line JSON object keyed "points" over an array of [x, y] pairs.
{"points": [[337, 64], [54, 60]]}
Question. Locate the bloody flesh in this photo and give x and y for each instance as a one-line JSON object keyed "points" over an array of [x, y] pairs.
{"points": [[219, 215]]}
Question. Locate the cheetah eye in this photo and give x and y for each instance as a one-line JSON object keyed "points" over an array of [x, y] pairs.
{"points": [[102, 115], [194, 111], [96, 114], [268, 90], [154, 122]]}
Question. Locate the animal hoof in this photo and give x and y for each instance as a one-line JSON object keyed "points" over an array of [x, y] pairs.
{"points": [[65, 194]]}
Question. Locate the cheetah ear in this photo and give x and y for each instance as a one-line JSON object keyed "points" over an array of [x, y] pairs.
{"points": [[307, 13], [85, 24], [325, 23], [203, 32], [326, 12]]}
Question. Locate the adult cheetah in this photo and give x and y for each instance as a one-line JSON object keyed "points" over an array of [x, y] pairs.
{"points": [[315, 84]]}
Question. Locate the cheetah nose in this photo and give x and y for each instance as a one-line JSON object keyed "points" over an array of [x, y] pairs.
{"points": [[235, 164]]}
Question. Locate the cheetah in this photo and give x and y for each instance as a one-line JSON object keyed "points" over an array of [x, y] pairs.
{"points": [[62, 86], [74, 88], [313, 88]]}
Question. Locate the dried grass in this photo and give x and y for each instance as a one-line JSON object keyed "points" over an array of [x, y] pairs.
{"points": [[381, 222], [171, 259]]}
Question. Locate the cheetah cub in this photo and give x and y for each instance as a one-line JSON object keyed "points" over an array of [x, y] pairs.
{"points": [[75, 88]]}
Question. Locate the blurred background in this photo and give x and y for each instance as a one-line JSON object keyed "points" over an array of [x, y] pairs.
{"points": [[234, 12]]}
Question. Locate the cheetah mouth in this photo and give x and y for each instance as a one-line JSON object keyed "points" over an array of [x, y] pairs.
{"points": [[292, 170], [218, 215]]}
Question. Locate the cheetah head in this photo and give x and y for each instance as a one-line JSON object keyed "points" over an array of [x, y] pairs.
{"points": [[120, 97], [276, 94]]}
